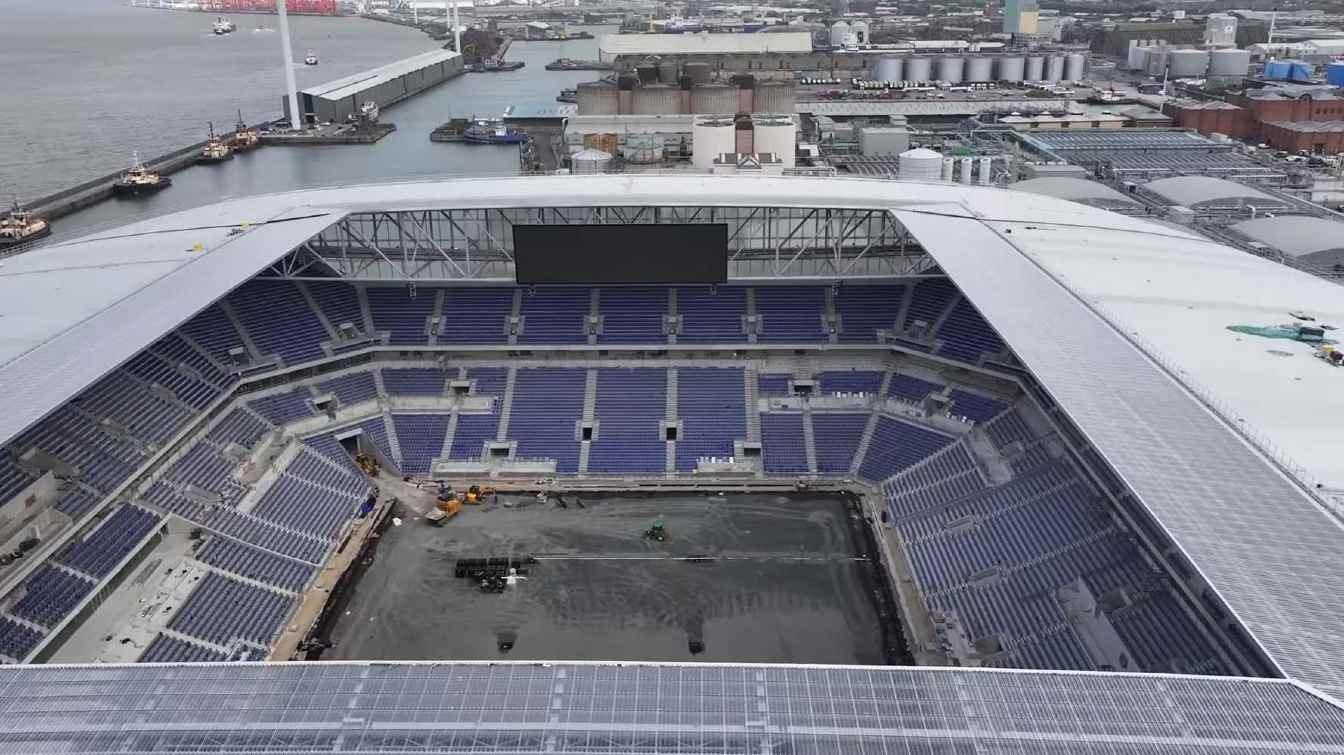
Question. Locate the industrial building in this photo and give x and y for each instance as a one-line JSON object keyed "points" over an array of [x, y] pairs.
{"points": [[1294, 109], [613, 46], [1316, 137], [1311, 242], [1144, 154], [337, 100]]}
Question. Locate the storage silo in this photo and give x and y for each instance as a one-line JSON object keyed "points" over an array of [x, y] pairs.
{"points": [[1188, 64], [949, 163], [1075, 66], [888, 68], [656, 99], [590, 161], [919, 70], [1012, 68], [698, 73], [979, 68], [860, 31], [951, 69], [776, 134], [839, 30], [986, 170], [1157, 61], [642, 149], [714, 99], [1138, 58], [598, 98], [967, 166], [774, 96], [1054, 68], [920, 165], [1232, 63], [667, 72], [1035, 68], [711, 136]]}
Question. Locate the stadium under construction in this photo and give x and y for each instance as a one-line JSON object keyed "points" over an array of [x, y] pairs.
{"points": [[758, 464]]}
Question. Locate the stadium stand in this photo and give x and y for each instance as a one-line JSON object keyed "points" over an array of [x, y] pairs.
{"points": [[547, 403], [632, 315], [244, 560], [836, 437], [791, 314], [279, 319], [222, 611], [168, 649], [629, 410], [96, 554], [555, 315], [783, 447], [352, 388], [421, 440], [710, 404], [865, 310]]}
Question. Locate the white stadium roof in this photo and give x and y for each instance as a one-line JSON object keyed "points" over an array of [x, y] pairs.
{"points": [[1076, 190], [1311, 239], [1203, 423]]}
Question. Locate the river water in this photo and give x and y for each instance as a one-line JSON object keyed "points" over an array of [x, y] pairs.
{"points": [[90, 81]]}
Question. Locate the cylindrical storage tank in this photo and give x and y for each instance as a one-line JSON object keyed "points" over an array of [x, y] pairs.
{"points": [[949, 163], [1236, 63], [920, 165], [1054, 68], [1012, 68], [598, 98], [656, 99], [711, 136], [888, 68], [1188, 64], [698, 73], [714, 99], [839, 30], [778, 135], [642, 149], [1035, 68], [919, 70], [667, 72], [1075, 66], [860, 31], [986, 170], [590, 161], [979, 69], [967, 166], [951, 69], [774, 97], [1138, 58], [647, 72], [1334, 73]]}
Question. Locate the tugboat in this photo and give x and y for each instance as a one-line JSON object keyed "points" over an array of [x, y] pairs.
{"points": [[368, 112], [492, 132], [216, 150], [310, 59], [21, 226], [568, 95], [223, 26], [139, 181], [244, 139]]}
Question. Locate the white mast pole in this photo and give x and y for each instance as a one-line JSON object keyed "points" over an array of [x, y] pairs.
{"points": [[295, 117]]}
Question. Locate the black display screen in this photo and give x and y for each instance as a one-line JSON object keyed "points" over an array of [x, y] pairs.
{"points": [[609, 254]]}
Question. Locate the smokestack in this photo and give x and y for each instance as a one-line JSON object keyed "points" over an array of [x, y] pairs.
{"points": [[295, 116]]}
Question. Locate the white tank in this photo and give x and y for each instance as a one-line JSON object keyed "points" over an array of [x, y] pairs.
{"points": [[642, 149], [776, 134], [711, 136], [919, 70], [1232, 63], [1035, 68], [920, 165], [967, 164], [590, 161], [979, 69], [1012, 68], [951, 69], [860, 31], [1157, 61], [1188, 64], [948, 164], [1138, 58], [1054, 68], [1075, 66], [1220, 30], [713, 99], [839, 30], [888, 68], [986, 170]]}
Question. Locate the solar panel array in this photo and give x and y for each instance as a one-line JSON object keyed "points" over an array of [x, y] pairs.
{"points": [[1151, 152], [530, 707]]}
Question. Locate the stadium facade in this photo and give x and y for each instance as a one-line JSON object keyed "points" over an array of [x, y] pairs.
{"points": [[1087, 471]]}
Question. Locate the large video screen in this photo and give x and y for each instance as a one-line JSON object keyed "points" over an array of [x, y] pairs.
{"points": [[610, 254]]}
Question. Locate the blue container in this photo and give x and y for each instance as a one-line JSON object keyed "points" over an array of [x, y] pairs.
{"points": [[1278, 70], [1334, 74], [1299, 71]]}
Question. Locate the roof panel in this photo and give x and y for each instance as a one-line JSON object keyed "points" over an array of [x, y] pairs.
{"points": [[1294, 235], [1194, 190], [1265, 545], [522, 707]]}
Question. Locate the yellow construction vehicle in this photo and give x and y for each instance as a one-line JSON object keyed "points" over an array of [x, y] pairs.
{"points": [[444, 509], [367, 463]]}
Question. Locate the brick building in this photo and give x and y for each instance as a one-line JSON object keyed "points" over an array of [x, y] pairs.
{"points": [[1246, 114], [1319, 137]]}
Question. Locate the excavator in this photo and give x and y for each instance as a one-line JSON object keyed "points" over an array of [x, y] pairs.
{"points": [[367, 463]]}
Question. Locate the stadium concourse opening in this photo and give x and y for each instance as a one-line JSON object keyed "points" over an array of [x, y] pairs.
{"points": [[705, 576]]}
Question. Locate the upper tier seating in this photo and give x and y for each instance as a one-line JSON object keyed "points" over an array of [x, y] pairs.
{"points": [[279, 319], [547, 402]]}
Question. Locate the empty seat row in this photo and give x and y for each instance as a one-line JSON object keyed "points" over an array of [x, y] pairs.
{"points": [[167, 649], [239, 558], [222, 610], [50, 595], [98, 553]]}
